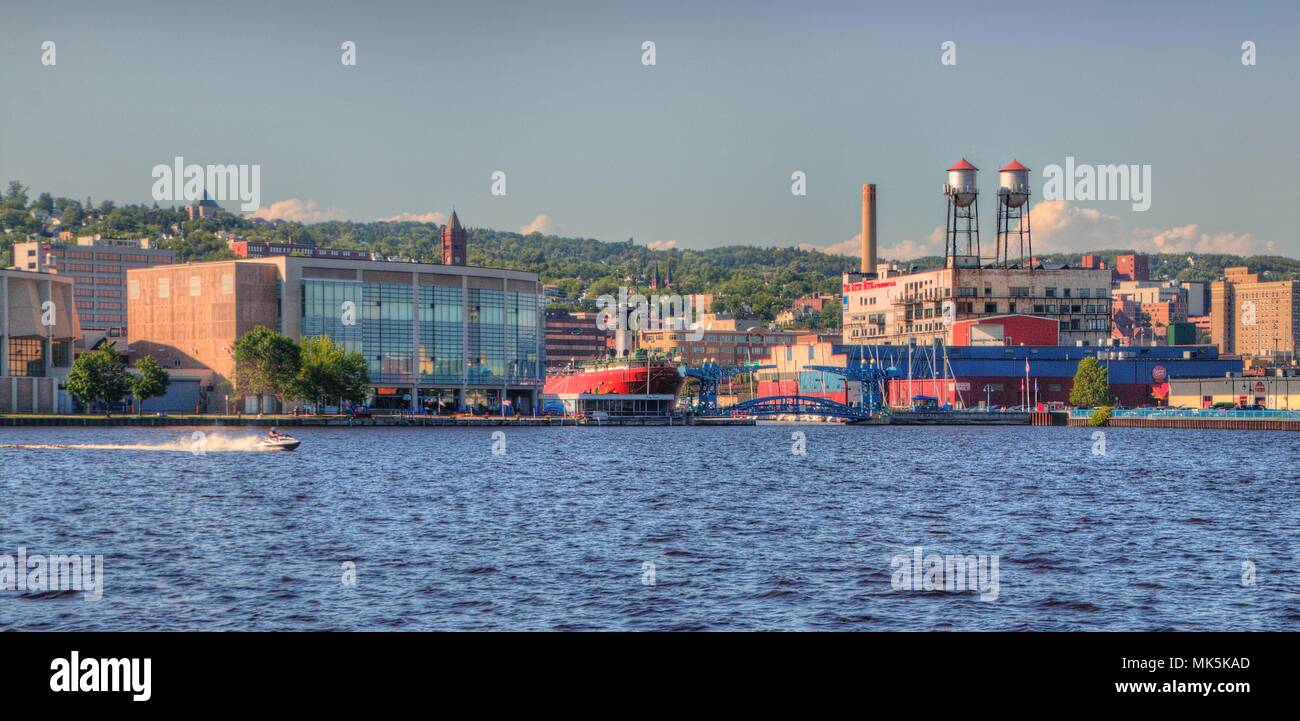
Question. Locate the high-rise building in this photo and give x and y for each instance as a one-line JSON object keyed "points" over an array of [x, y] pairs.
{"points": [[1253, 318], [97, 267], [1132, 267], [454, 241]]}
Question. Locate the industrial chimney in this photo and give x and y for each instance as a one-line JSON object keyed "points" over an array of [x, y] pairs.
{"points": [[868, 228]]}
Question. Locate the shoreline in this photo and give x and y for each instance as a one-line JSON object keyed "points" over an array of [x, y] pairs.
{"points": [[901, 418], [344, 422]]}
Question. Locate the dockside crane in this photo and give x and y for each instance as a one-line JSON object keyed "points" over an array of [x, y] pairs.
{"points": [[710, 375]]}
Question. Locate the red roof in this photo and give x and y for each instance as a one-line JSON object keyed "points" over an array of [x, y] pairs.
{"points": [[1013, 165], [963, 165]]}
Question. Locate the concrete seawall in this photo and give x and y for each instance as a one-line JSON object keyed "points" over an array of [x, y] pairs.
{"points": [[1235, 424]]}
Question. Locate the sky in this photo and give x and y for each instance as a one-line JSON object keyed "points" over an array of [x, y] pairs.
{"points": [[694, 151]]}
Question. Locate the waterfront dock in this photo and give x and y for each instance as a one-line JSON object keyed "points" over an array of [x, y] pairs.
{"points": [[959, 418], [1207, 418]]}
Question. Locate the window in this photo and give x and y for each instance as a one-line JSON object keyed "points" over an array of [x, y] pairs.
{"points": [[196, 286], [164, 287], [990, 307], [133, 289], [26, 357], [227, 283], [1050, 292]]}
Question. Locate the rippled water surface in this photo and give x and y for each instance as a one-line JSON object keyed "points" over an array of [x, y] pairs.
{"points": [[1168, 529]]}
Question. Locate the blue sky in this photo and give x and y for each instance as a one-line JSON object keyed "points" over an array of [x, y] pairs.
{"points": [[696, 151]]}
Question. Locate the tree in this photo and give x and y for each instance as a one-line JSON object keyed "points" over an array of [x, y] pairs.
{"points": [[266, 363], [72, 217], [829, 316], [98, 376], [16, 196], [327, 371], [151, 382], [1091, 387]]}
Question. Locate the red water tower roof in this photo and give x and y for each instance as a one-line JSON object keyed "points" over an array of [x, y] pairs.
{"points": [[963, 165], [1014, 165]]}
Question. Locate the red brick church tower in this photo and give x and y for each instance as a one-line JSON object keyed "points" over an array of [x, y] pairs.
{"points": [[454, 241]]}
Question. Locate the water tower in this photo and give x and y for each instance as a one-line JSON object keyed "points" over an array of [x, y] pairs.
{"points": [[1013, 215], [962, 239]]}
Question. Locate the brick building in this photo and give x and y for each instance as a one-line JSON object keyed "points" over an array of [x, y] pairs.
{"points": [[1257, 318]]}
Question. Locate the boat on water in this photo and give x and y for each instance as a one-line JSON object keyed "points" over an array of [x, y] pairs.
{"points": [[624, 376], [282, 443]]}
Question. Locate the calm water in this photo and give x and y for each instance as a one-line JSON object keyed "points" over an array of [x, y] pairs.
{"points": [[556, 532]]}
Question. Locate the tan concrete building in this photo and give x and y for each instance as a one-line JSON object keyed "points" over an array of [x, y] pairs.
{"points": [[1253, 318], [38, 327], [188, 316], [457, 335], [893, 308], [98, 267], [1272, 392]]}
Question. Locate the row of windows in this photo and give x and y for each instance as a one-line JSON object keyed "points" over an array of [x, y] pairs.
{"points": [[194, 286], [492, 338]]}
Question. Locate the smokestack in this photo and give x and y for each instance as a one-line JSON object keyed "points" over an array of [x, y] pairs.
{"points": [[869, 228]]}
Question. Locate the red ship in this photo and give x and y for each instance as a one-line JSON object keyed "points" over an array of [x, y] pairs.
{"points": [[622, 377]]}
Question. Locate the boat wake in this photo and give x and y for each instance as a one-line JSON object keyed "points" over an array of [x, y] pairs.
{"points": [[196, 442]]}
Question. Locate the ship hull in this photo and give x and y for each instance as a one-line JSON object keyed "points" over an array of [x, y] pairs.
{"points": [[630, 380]]}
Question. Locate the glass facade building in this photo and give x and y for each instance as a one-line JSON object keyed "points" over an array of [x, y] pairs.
{"points": [[435, 338]]}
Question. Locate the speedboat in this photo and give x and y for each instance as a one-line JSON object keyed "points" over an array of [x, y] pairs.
{"points": [[283, 443]]}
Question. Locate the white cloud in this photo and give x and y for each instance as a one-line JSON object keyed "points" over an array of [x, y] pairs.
{"points": [[902, 250], [662, 244], [541, 224], [1059, 227], [433, 217], [295, 209], [1188, 238]]}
